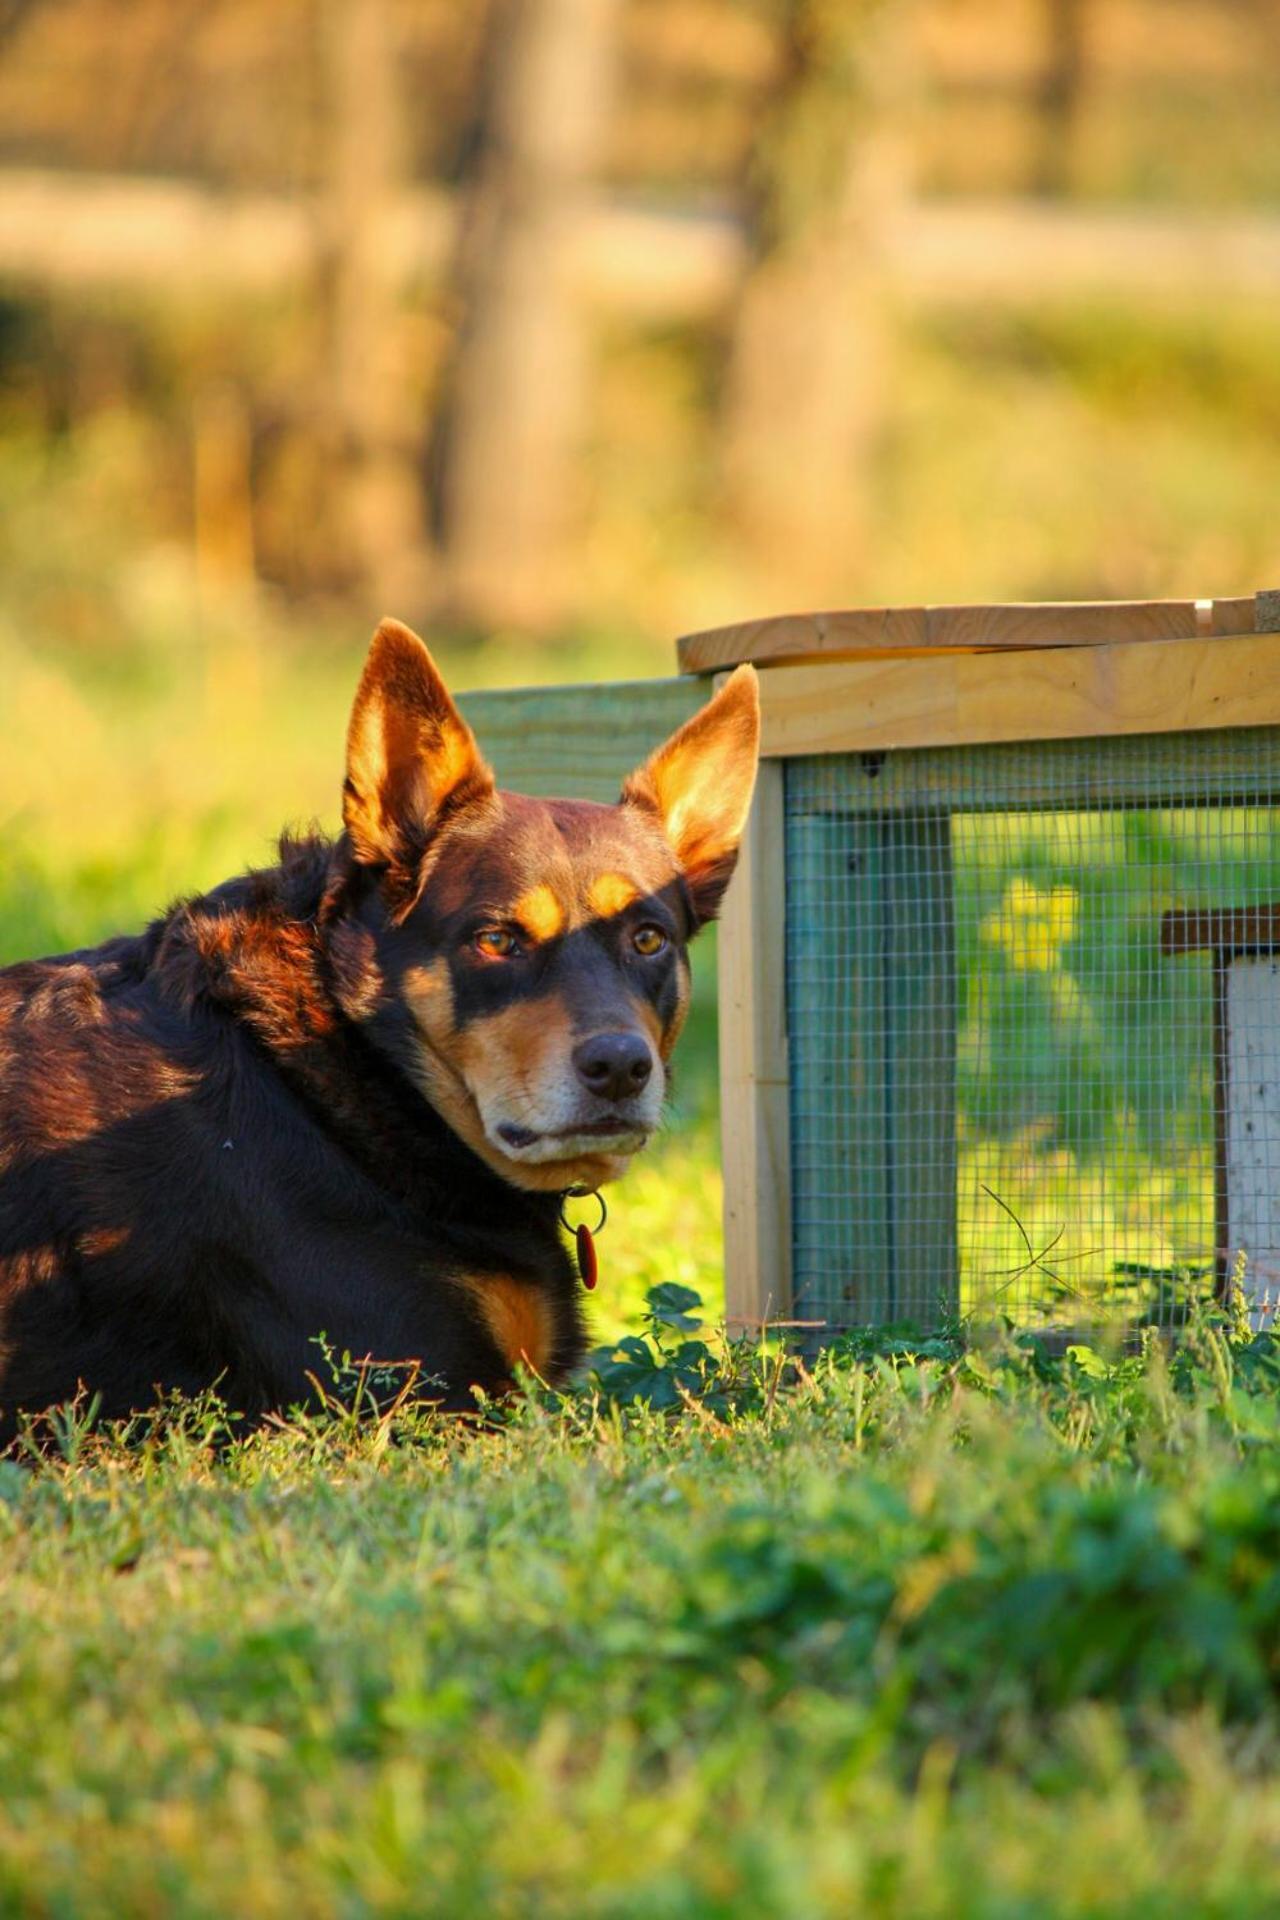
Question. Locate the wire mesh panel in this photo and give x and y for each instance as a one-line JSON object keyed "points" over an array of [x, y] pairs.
{"points": [[1034, 1028]]}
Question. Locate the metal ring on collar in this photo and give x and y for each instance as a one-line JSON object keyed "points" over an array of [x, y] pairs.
{"points": [[583, 1193]]}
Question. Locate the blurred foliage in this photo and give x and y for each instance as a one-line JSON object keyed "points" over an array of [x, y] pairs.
{"points": [[1178, 98], [1058, 448], [809, 127], [1095, 451]]}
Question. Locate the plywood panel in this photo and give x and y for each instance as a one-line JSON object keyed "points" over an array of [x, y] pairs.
{"points": [[872, 1022], [577, 742], [865, 632], [754, 1081], [1066, 693]]}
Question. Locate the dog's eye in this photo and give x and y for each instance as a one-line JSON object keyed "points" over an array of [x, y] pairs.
{"points": [[495, 943], [648, 941]]}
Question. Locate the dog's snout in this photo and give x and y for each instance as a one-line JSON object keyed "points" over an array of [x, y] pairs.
{"points": [[613, 1065]]}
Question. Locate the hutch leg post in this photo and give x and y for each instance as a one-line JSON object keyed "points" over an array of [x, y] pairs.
{"points": [[754, 1082]]}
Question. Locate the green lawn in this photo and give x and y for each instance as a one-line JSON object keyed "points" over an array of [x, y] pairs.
{"points": [[953, 1635]]}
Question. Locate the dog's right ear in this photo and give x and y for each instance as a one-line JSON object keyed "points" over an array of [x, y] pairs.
{"points": [[410, 754], [699, 786]]}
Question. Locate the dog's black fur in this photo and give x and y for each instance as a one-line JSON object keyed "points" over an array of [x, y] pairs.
{"points": [[271, 1116]]}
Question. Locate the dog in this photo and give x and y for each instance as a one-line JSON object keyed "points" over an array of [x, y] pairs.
{"points": [[343, 1098]]}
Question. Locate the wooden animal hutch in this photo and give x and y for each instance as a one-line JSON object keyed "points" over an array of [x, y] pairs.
{"points": [[972, 1056]]}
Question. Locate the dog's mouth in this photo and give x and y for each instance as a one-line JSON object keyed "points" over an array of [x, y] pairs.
{"points": [[569, 1143]]}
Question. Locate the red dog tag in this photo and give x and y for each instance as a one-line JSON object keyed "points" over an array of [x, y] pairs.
{"points": [[587, 1266]]}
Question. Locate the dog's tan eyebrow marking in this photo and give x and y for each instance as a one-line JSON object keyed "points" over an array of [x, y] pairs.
{"points": [[539, 913], [611, 893]]}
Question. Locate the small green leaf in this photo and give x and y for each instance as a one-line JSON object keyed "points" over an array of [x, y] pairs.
{"points": [[671, 1305]]}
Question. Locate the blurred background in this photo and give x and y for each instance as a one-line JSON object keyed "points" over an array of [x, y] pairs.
{"points": [[559, 319], [558, 327]]}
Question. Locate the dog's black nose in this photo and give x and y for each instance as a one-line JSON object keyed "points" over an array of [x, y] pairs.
{"points": [[613, 1065]]}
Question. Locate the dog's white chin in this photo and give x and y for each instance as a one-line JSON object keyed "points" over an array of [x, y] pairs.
{"points": [[564, 1148], [571, 1160]]}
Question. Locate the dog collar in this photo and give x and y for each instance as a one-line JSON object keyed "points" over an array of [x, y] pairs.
{"points": [[584, 1236]]}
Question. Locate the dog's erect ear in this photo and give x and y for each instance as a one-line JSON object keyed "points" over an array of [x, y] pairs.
{"points": [[409, 752], [700, 785]]}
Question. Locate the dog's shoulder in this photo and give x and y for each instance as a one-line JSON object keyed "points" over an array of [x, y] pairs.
{"points": [[68, 992]]}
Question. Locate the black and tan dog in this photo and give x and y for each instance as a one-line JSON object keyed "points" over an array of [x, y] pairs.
{"points": [[345, 1095]]}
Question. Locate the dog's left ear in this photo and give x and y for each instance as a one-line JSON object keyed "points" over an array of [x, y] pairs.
{"points": [[410, 753], [700, 785]]}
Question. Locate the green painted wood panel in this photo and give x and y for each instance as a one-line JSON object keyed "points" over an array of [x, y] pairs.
{"points": [[1165, 769], [578, 742], [871, 1031]]}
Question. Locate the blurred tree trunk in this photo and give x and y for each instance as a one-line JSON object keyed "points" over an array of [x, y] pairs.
{"points": [[13, 17], [807, 373], [222, 492], [1061, 91], [375, 523], [226, 576], [511, 428]]}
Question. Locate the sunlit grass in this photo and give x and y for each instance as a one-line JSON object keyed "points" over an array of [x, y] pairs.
{"points": [[948, 1633]]}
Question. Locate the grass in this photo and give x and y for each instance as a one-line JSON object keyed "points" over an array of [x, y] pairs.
{"points": [[936, 1633]]}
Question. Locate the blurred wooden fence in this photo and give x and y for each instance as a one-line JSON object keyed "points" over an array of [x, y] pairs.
{"points": [[92, 230]]}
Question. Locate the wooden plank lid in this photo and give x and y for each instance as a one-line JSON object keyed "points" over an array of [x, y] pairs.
{"points": [[867, 632]]}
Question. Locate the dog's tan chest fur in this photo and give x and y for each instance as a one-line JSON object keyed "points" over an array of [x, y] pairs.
{"points": [[517, 1316]]}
